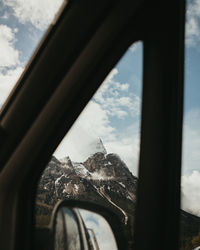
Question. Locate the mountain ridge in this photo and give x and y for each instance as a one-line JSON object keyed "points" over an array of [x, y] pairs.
{"points": [[102, 179]]}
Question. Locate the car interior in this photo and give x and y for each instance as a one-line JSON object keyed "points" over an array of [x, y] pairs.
{"points": [[79, 49]]}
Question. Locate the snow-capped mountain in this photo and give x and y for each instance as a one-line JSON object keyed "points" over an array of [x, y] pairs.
{"points": [[96, 146], [103, 178]]}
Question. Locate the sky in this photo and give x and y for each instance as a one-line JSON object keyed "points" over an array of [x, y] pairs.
{"points": [[113, 114], [102, 230]]}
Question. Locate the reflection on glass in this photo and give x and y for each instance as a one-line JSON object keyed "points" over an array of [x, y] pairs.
{"points": [[60, 237], [190, 188], [72, 231], [66, 231], [22, 25], [100, 232], [77, 229]]}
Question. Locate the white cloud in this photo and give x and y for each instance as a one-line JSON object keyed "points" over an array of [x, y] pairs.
{"points": [[95, 122], [10, 68], [191, 141], [191, 162], [92, 124], [37, 12], [7, 81], [191, 192], [193, 23], [99, 95], [115, 98], [15, 30], [127, 148], [123, 87], [5, 15], [117, 112], [9, 56]]}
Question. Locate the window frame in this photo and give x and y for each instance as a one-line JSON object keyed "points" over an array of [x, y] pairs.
{"points": [[39, 132]]}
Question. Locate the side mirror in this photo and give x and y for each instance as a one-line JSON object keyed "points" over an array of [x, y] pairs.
{"points": [[82, 225]]}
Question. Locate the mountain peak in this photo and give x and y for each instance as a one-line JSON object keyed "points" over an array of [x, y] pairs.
{"points": [[97, 146], [66, 161]]}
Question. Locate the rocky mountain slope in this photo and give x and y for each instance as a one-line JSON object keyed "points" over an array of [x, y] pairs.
{"points": [[103, 178], [189, 228]]}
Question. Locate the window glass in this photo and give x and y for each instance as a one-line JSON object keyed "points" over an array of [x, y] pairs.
{"points": [[72, 230], [190, 187], [97, 161], [100, 233], [22, 24], [66, 230], [60, 235]]}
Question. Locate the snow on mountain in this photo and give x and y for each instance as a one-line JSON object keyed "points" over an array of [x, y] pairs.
{"points": [[65, 160], [57, 181], [96, 146], [101, 175], [102, 178], [81, 170]]}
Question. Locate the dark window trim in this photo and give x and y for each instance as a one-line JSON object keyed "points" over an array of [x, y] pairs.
{"points": [[158, 198], [51, 61], [18, 178]]}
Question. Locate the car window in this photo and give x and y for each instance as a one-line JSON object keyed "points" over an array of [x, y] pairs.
{"points": [[97, 161], [190, 186], [22, 25]]}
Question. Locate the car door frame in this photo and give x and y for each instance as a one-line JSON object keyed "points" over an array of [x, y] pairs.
{"points": [[40, 126]]}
